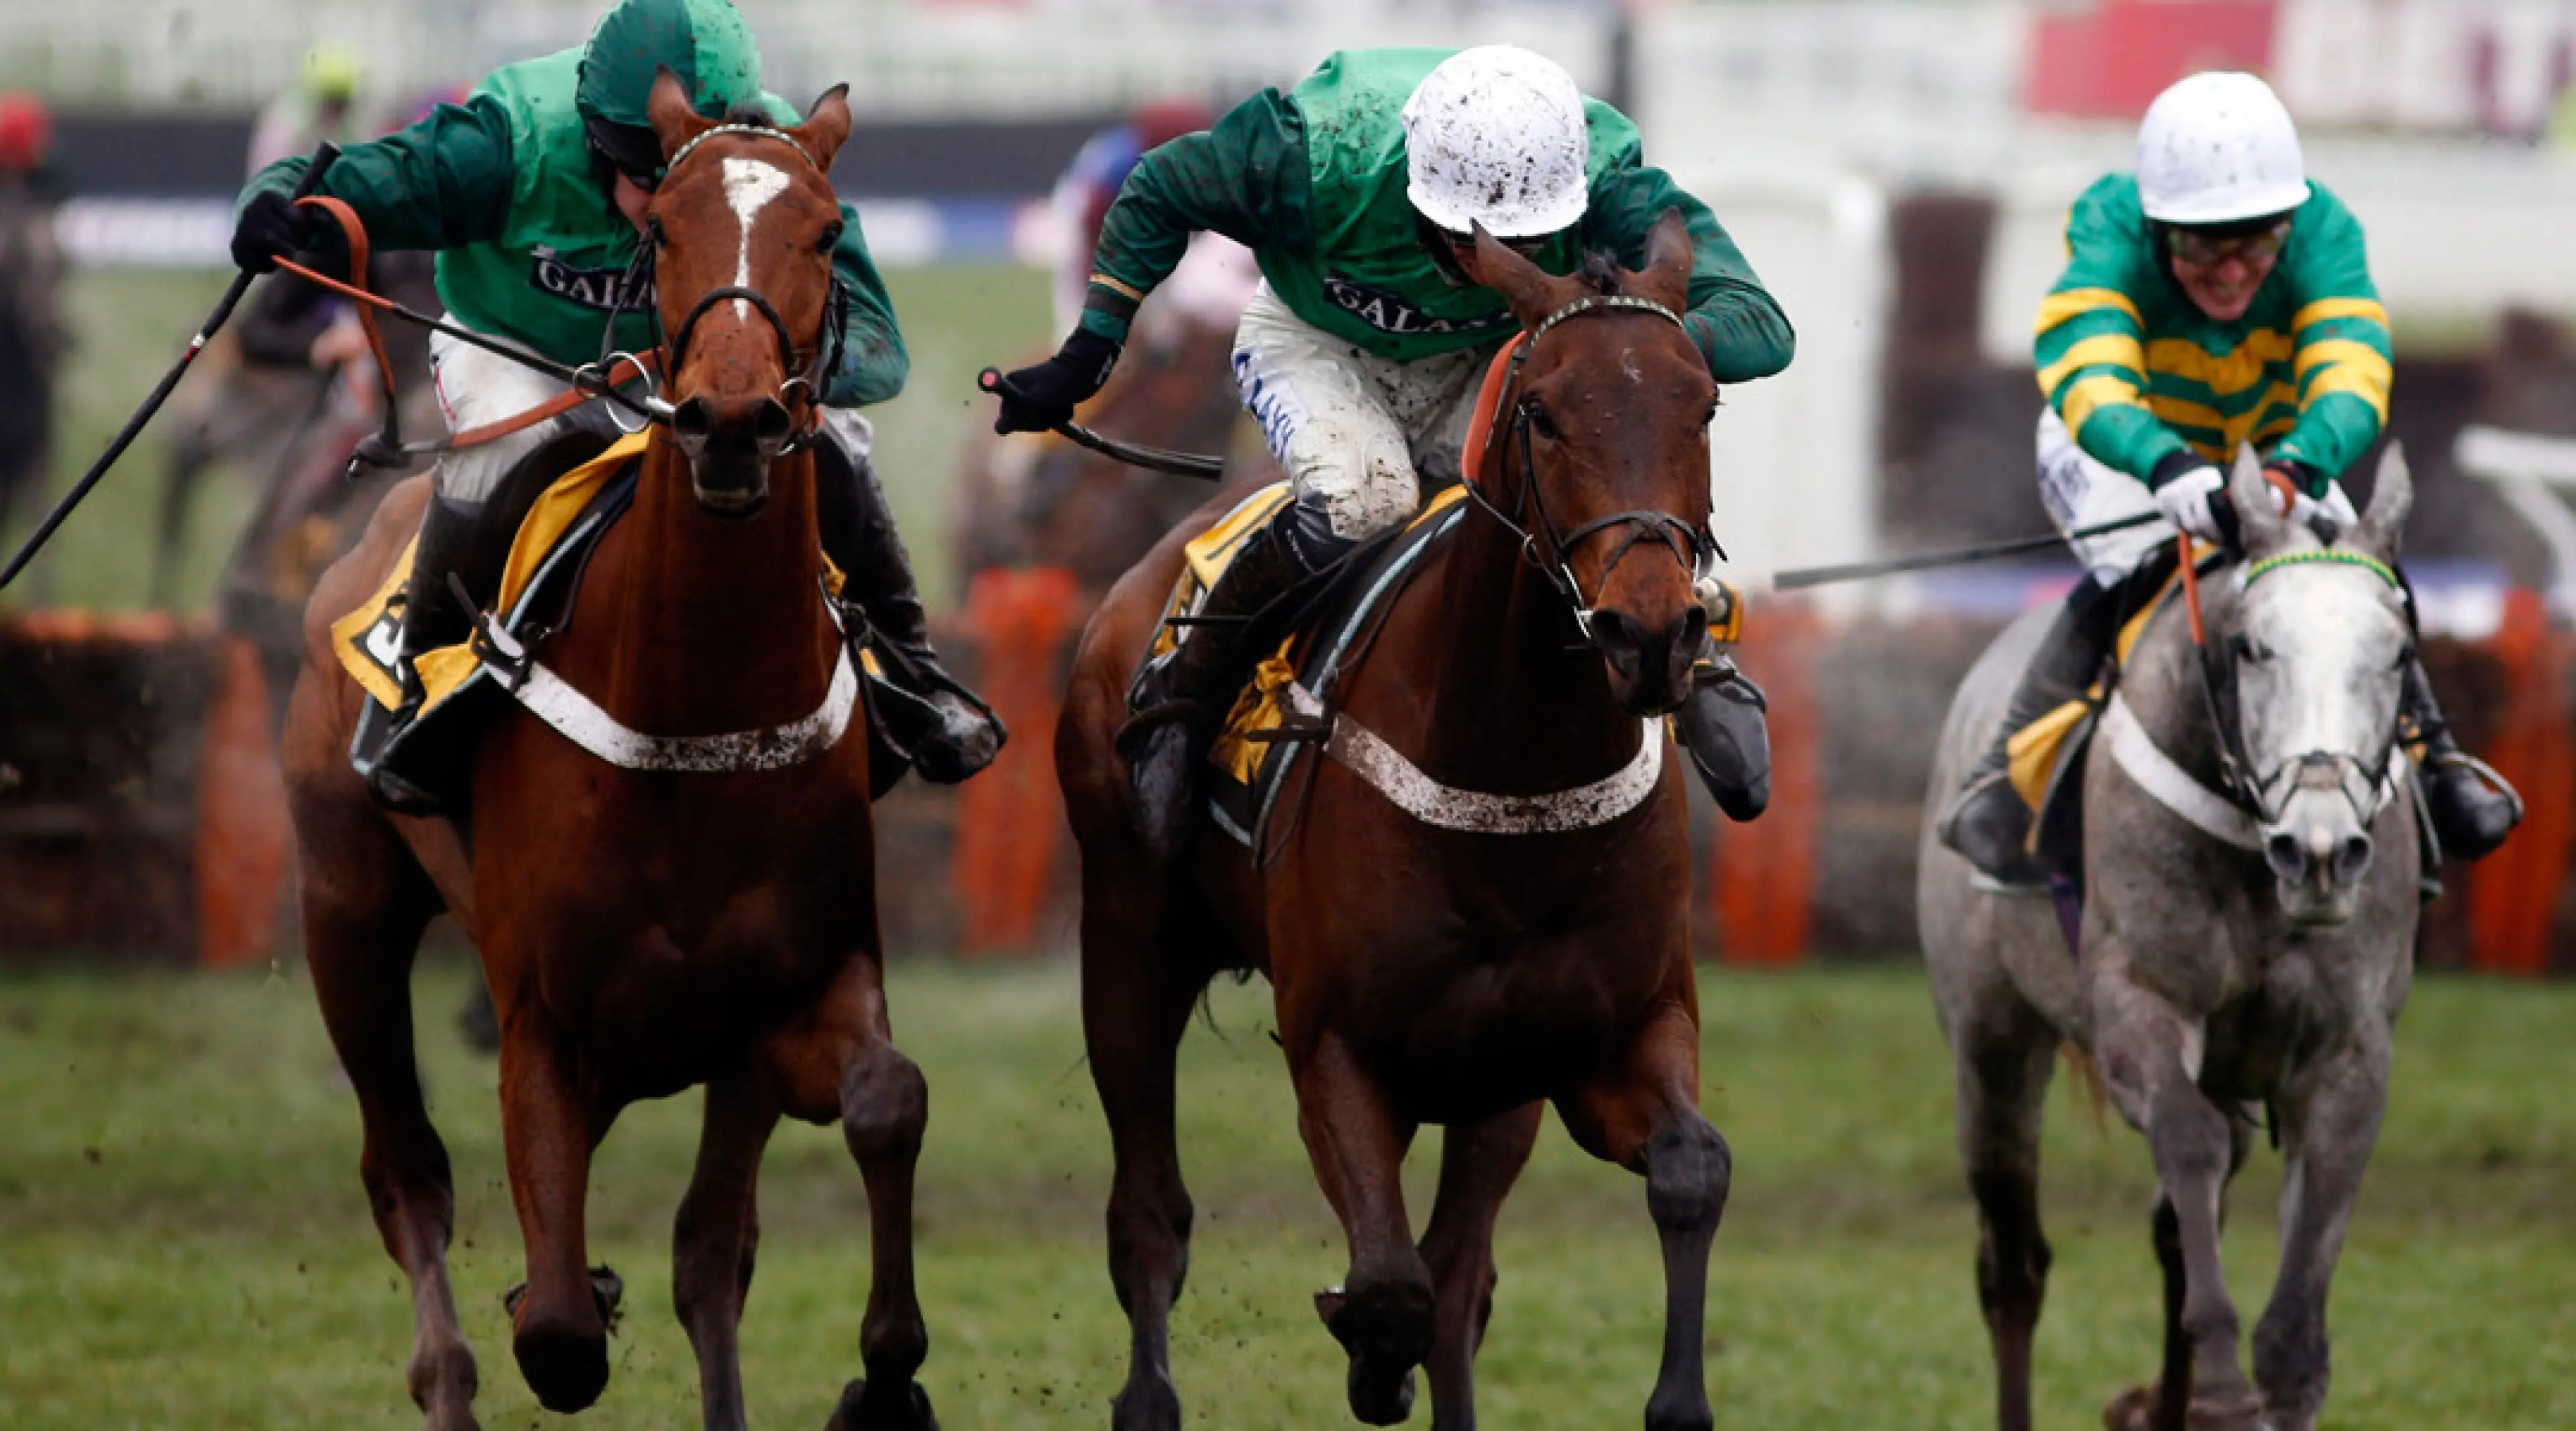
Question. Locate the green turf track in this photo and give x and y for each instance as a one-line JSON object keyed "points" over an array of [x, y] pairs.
{"points": [[130, 325], [183, 1240]]}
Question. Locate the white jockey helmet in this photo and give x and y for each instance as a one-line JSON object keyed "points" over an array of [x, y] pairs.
{"points": [[2219, 149], [1495, 136]]}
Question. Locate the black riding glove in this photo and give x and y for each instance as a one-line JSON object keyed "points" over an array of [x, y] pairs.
{"points": [[271, 226], [1042, 397]]}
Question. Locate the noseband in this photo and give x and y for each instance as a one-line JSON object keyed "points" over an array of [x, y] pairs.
{"points": [[1542, 543], [805, 385]]}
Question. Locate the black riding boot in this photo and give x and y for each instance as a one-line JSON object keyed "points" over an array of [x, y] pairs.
{"points": [[2472, 808], [961, 734], [431, 619], [1179, 704], [1723, 727], [1988, 822]]}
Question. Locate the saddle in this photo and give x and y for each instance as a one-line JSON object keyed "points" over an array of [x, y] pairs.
{"points": [[557, 532], [1312, 636]]}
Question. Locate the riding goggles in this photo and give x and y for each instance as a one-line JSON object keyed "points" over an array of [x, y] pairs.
{"points": [[2204, 246], [633, 152]]}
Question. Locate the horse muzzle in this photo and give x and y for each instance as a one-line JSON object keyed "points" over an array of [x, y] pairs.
{"points": [[1650, 670], [2319, 850], [730, 447]]}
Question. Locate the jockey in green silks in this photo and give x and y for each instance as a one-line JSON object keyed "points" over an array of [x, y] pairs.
{"points": [[534, 193], [2213, 299], [1358, 191]]}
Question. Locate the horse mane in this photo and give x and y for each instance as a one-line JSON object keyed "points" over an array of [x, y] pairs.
{"points": [[751, 114]]}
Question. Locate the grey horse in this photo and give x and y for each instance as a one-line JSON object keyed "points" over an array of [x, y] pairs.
{"points": [[2236, 956]]}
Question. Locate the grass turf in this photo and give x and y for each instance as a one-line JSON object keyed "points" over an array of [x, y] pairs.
{"points": [[186, 1242], [130, 325]]}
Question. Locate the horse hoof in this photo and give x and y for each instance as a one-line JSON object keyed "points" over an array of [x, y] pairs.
{"points": [[2131, 1410], [858, 1413], [2136, 1409], [1146, 1403], [1386, 1329], [1686, 1410], [1378, 1399], [567, 1368]]}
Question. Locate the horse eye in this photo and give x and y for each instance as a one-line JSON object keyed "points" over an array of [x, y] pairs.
{"points": [[2249, 650], [1542, 424], [830, 240], [2406, 655]]}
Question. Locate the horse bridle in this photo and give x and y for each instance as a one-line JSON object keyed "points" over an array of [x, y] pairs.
{"points": [[1542, 543], [2363, 784], [804, 385]]}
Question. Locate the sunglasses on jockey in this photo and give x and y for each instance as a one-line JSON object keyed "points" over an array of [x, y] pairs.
{"points": [[628, 150], [2257, 241]]}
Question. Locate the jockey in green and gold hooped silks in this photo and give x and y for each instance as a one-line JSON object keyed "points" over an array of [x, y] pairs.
{"points": [[2213, 299], [1361, 353], [533, 192]]}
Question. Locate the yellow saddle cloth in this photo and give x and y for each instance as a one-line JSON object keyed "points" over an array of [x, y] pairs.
{"points": [[368, 639], [1309, 651]]}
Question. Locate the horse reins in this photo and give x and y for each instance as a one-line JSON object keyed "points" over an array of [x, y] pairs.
{"points": [[2242, 787], [589, 381], [1689, 544]]}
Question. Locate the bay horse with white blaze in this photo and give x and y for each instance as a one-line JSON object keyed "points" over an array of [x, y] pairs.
{"points": [[1443, 966], [645, 929]]}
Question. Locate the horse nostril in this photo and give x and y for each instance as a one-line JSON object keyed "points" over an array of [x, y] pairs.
{"points": [[770, 424], [2283, 853], [692, 423], [2351, 858]]}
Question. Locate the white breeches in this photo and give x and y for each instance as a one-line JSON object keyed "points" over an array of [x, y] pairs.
{"points": [[1351, 429]]}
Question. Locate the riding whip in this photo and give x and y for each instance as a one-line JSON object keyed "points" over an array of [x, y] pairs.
{"points": [[322, 159], [1763, 584], [1185, 464]]}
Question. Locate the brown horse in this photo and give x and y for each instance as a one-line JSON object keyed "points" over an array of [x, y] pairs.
{"points": [[1459, 974], [643, 930]]}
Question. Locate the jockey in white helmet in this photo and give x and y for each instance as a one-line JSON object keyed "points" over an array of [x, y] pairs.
{"points": [[1357, 191], [2215, 298]]}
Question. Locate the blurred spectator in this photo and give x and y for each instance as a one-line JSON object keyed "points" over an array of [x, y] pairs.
{"points": [[1215, 281], [32, 338], [323, 105]]}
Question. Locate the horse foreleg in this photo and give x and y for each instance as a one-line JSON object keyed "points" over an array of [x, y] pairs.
{"points": [[2149, 1054], [1384, 1311], [715, 1235], [851, 1069], [2002, 1085], [560, 1316], [1478, 1164], [1136, 1001], [364, 909], [2329, 1123], [1644, 1116]]}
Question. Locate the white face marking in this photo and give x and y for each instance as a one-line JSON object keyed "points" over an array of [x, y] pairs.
{"points": [[749, 185]]}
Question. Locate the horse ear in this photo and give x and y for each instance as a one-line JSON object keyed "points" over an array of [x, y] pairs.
{"points": [[1668, 260], [674, 122], [2392, 496], [1523, 284], [826, 127], [2258, 510]]}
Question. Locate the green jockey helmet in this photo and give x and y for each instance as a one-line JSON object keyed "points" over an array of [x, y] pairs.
{"points": [[704, 42]]}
